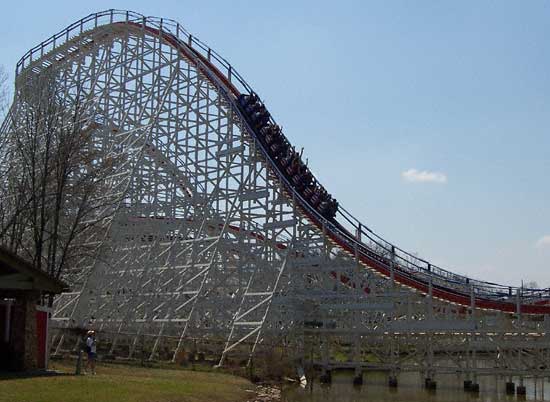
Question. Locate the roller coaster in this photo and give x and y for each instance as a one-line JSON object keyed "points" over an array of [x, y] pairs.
{"points": [[221, 232]]}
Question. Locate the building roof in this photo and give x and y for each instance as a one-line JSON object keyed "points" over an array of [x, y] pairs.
{"points": [[18, 274]]}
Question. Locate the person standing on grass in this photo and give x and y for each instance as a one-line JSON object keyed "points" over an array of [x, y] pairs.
{"points": [[91, 351]]}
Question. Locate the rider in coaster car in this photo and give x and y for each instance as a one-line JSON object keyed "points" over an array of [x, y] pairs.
{"points": [[246, 100], [324, 206], [264, 118], [278, 134], [329, 207], [255, 118], [253, 99], [266, 132], [333, 207], [302, 178], [260, 118], [270, 138], [252, 107], [261, 109], [300, 170], [310, 188], [287, 157], [294, 165], [283, 150], [276, 147], [242, 99], [319, 196]]}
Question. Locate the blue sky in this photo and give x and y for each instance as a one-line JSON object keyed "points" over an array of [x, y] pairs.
{"points": [[427, 120]]}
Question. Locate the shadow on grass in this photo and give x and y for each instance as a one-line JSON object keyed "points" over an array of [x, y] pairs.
{"points": [[11, 375]]}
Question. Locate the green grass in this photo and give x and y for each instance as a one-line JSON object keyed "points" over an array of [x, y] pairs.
{"points": [[119, 383]]}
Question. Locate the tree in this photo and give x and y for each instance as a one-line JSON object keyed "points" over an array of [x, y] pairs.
{"points": [[56, 173], [3, 92]]}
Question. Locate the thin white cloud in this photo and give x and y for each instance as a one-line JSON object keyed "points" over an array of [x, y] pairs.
{"points": [[543, 242], [423, 176]]}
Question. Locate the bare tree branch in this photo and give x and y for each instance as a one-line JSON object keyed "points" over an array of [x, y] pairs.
{"points": [[3, 92], [54, 177]]}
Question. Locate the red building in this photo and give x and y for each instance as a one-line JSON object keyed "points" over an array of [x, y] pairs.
{"points": [[24, 323]]}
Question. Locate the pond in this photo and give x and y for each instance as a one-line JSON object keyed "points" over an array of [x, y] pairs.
{"points": [[410, 388]]}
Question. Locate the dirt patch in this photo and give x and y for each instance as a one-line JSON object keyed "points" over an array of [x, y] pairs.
{"points": [[265, 393]]}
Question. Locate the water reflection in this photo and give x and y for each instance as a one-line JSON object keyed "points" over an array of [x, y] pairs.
{"points": [[449, 388]]}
